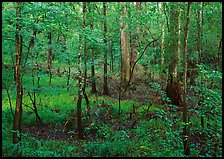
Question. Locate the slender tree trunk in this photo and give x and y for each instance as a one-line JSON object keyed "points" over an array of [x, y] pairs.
{"points": [[199, 32], [178, 39], [163, 37], [9, 98], [93, 90], [105, 85], [93, 80], [186, 140], [31, 45], [69, 74], [134, 45], [80, 91], [111, 54], [38, 119], [85, 61], [85, 47], [49, 55], [18, 110]]}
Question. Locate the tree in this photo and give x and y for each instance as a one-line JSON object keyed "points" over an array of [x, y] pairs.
{"points": [[186, 140], [49, 54], [163, 37], [199, 31], [85, 60], [18, 109], [173, 87], [105, 85], [80, 93], [135, 42], [125, 67], [93, 80]]}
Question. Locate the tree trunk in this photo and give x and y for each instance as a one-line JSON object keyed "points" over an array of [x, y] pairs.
{"points": [[125, 66], [186, 140], [85, 60], [163, 38], [69, 74], [31, 45], [199, 32], [93, 80], [38, 119], [111, 54], [18, 110], [134, 45], [80, 91], [49, 55], [105, 85], [173, 87]]}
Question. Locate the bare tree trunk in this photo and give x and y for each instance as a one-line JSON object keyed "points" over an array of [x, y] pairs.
{"points": [[186, 140], [163, 38], [31, 45], [111, 54], [134, 45], [9, 99], [105, 85], [80, 91], [69, 74], [93, 80], [199, 32], [18, 110], [49, 55], [125, 66], [85, 60], [173, 87]]}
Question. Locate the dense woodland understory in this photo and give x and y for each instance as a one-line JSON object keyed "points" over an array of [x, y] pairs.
{"points": [[112, 79]]}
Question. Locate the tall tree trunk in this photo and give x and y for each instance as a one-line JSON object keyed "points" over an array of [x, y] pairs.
{"points": [[49, 55], [134, 45], [93, 80], [125, 66], [199, 32], [80, 91], [173, 86], [31, 45], [186, 140], [85, 60], [18, 110], [111, 54], [163, 37], [105, 85]]}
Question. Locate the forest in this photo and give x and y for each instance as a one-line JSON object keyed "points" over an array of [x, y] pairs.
{"points": [[111, 79]]}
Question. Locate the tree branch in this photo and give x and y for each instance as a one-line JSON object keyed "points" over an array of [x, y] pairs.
{"points": [[133, 67]]}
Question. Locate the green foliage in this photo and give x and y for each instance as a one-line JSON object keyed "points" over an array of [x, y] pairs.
{"points": [[158, 128]]}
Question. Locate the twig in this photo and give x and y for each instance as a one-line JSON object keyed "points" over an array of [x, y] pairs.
{"points": [[10, 103], [28, 106]]}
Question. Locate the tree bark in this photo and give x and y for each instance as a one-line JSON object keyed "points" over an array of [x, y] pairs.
{"points": [[93, 80], [111, 54], [49, 55], [85, 61], [163, 37], [105, 85], [18, 110], [173, 87], [125, 66], [80, 91], [186, 140], [134, 45], [199, 32]]}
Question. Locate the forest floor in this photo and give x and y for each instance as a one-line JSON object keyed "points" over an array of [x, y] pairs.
{"points": [[147, 125], [138, 92]]}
